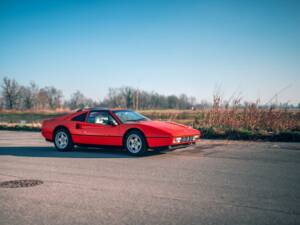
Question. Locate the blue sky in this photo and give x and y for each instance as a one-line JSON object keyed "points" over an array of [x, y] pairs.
{"points": [[171, 47]]}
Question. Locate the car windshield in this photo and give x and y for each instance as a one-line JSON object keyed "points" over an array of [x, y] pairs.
{"points": [[128, 115]]}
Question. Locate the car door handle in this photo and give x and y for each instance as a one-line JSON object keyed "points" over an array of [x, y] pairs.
{"points": [[78, 126]]}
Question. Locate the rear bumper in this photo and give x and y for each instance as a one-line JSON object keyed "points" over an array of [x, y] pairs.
{"points": [[47, 135]]}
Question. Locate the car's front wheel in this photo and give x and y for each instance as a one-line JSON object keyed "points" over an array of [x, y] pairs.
{"points": [[135, 143], [63, 140]]}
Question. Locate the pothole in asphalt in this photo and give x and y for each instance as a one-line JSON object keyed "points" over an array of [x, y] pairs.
{"points": [[20, 183]]}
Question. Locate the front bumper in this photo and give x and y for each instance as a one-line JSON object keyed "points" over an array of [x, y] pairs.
{"points": [[185, 139], [155, 142]]}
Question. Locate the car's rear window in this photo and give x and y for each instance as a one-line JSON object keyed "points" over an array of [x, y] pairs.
{"points": [[80, 117]]}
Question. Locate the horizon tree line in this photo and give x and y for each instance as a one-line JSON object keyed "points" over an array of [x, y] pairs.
{"points": [[14, 96]]}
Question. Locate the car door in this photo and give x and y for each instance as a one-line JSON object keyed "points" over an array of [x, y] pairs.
{"points": [[100, 128]]}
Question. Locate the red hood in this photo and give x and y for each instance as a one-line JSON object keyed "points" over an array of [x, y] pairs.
{"points": [[175, 129]]}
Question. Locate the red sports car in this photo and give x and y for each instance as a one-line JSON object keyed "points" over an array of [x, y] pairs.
{"points": [[109, 127]]}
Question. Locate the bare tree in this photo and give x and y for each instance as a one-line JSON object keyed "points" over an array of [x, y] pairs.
{"points": [[172, 101], [29, 96], [10, 93], [42, 99], [78, 100], [1, 103], [51, 97], [128, 92]]}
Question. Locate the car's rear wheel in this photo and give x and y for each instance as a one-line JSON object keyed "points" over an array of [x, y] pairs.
{"points": [[63, 140], [135, 143]]}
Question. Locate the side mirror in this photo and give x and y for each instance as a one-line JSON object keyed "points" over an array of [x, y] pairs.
{"points": [[112, 123]]}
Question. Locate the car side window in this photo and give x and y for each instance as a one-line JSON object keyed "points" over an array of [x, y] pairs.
{"points": [[80, 117], [99, 117]]}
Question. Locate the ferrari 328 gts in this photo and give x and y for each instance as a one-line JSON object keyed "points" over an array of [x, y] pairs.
{"points": [[113, 127]]}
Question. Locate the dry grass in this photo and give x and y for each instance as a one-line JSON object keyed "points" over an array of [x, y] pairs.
{"points": [[232, 116], [232, 121], [251, 118]]}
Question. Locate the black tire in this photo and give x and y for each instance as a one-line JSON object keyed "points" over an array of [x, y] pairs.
{"points": [[139, 137], [69, 143]]}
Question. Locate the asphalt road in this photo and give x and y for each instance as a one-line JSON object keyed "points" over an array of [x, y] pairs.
{"points": [[214, 182]]}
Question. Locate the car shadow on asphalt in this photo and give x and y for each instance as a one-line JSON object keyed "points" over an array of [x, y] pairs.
{"points": [[78, 152]]}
